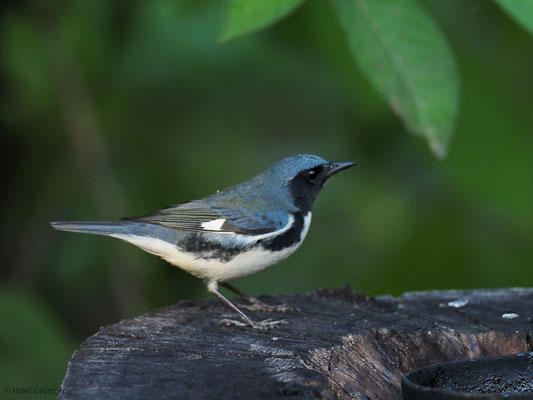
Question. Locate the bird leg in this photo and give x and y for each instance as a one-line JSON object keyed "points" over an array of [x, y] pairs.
{"points": [[256, 304], [212, 286]]}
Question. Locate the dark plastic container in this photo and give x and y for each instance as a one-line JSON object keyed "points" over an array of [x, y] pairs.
{"points": [[499, 377]]}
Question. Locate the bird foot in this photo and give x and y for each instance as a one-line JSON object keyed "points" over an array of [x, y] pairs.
{"points": [[257, 305], [265, 324]]}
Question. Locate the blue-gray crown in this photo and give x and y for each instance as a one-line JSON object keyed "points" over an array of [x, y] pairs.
{"points": [[284, 170]]}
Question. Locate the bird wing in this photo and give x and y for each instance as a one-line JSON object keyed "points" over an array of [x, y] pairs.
{"points": [[198, 216]]}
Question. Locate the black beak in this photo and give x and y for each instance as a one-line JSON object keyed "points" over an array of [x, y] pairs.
{"points": [[339, 166]]}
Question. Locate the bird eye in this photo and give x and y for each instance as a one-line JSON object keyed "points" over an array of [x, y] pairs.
{"points": [[312, 174]]}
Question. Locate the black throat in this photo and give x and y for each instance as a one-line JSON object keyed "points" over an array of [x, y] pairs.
{"points": [[304, 192]]}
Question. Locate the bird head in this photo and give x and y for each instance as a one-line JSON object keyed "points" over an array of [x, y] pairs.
{"points": [[291, 184], [304, 175]]}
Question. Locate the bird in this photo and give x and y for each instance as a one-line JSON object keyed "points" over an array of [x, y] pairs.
{"points": [[236, 232]]}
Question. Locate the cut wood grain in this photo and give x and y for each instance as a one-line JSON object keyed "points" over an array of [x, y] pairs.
{"points": [[338, 345]]}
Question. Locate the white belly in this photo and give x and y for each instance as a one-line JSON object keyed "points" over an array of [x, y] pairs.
{"points": [[244, 264]]}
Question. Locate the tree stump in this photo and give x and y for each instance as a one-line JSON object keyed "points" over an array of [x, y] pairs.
{"points": [[337, 344]]}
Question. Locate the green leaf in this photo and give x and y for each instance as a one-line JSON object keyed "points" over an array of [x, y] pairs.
{"points": [[246, 16], [401, 50], [519, 10]]}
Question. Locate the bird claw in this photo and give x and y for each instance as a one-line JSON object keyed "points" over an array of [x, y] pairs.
{"points": [[260, 306], [265, 324], [268, 324]]}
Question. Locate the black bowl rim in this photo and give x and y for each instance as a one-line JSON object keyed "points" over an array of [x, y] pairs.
{"points": [[424, 389]]}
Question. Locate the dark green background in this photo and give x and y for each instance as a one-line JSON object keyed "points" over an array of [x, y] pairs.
{"points": [[117, 108]]}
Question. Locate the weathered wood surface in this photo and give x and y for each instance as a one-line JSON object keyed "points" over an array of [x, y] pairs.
{"points": [[338, 345]]}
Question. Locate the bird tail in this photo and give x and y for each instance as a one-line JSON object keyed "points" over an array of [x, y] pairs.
{"points": [[95, 228], [149, 237]]}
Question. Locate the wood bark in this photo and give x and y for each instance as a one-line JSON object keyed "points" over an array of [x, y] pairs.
{"points": [[337, 344]]}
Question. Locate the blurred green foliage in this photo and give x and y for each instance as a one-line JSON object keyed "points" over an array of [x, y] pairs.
{"points": [[520, 10], [245, 16], [115, 108]]}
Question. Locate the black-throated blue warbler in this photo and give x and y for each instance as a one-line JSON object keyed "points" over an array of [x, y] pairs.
{"points": [[235, 232]]}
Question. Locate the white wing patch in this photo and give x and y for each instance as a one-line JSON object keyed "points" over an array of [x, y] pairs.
{"points": [[213, 225]]}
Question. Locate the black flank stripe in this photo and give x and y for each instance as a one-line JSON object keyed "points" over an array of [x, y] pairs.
{"points": [[195, 243]]}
